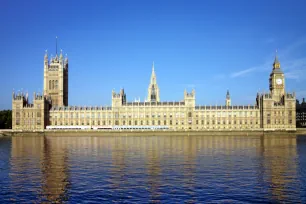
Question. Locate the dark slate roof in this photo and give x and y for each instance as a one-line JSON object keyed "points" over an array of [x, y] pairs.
{"points": [[55, 108], [224, 107], [176, 103], [277, 71]]}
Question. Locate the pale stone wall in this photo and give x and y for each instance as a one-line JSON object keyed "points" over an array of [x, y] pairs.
{"points": [[175, 115], [28, 116], [278, 115]]}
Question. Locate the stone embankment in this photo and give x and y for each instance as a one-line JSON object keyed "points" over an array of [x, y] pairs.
{"points": [[6, 132], [300, 131]]}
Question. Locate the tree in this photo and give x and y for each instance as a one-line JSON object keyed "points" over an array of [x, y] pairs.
{"points": [[6, 119]]}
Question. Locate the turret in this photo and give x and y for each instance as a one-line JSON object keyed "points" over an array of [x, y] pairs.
{"points": [[56, 78], [61, 56], [189, 98], [228, 99], [118, 99], [66, 61], [46, 61], [27, 97], [46, 58]]}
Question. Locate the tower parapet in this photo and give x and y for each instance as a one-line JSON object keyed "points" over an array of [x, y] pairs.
{"points": [[26, 115], [19, 96], [189, 98], [118, 99], [56, 78]]}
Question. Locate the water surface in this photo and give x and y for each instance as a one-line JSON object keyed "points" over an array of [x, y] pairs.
{"points": [[165, 169]]}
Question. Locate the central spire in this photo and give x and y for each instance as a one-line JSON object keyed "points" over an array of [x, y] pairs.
{"points": [[228, 99], [153, 90], [153, 76]]}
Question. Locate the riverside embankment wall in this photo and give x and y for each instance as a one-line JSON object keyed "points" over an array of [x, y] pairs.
{"points": [[146, 133]]}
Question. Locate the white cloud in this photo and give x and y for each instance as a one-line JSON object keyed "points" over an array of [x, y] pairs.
{"points": [[242, 73], [295, 68], [263, 67], [295, 74], [292, 75]]}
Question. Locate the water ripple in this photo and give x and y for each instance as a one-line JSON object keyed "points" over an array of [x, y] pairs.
{"points": [[169, 169]]}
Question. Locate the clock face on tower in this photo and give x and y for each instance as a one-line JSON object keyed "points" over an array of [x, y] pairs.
{"points": [[279, 81]]}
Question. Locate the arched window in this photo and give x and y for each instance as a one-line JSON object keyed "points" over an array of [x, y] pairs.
{"points": [[49, 84], [56, 84], [52, 84]]}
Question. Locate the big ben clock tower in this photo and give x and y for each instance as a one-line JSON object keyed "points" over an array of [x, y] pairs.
{"points": [[277, 108], [277, 81]]}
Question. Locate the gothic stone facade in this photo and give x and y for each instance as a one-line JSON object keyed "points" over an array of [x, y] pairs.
{"points": [[275, 110], [27, 116]]}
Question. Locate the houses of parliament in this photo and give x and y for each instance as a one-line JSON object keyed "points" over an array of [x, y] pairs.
{"points": [[275, 110]]}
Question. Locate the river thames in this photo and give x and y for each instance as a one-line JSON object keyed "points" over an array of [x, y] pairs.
{"points": [[144, 169]]}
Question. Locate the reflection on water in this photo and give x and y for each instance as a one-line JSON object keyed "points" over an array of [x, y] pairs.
{"points": [[280, 157], [39, 168], [154, 169]]}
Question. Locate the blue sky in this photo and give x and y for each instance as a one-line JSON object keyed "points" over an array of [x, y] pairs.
{"points": [[211, 46]]}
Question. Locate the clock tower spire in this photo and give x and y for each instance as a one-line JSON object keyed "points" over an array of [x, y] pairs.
{"points": [[276, 64], [277, 80]]}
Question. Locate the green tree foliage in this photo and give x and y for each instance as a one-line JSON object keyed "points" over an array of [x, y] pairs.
{"points": [[6, 119]]}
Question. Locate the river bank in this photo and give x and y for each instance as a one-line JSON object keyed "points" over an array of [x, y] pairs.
{"points": [[301, 131]]}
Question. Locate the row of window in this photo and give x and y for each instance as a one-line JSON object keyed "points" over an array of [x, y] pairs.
{"points": [[28, 114], [53, 84], [53, 66], [281, 122], [280, 113], [116, 115], [28, 122], [130, 123], [164, 122], [177, 114]]}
